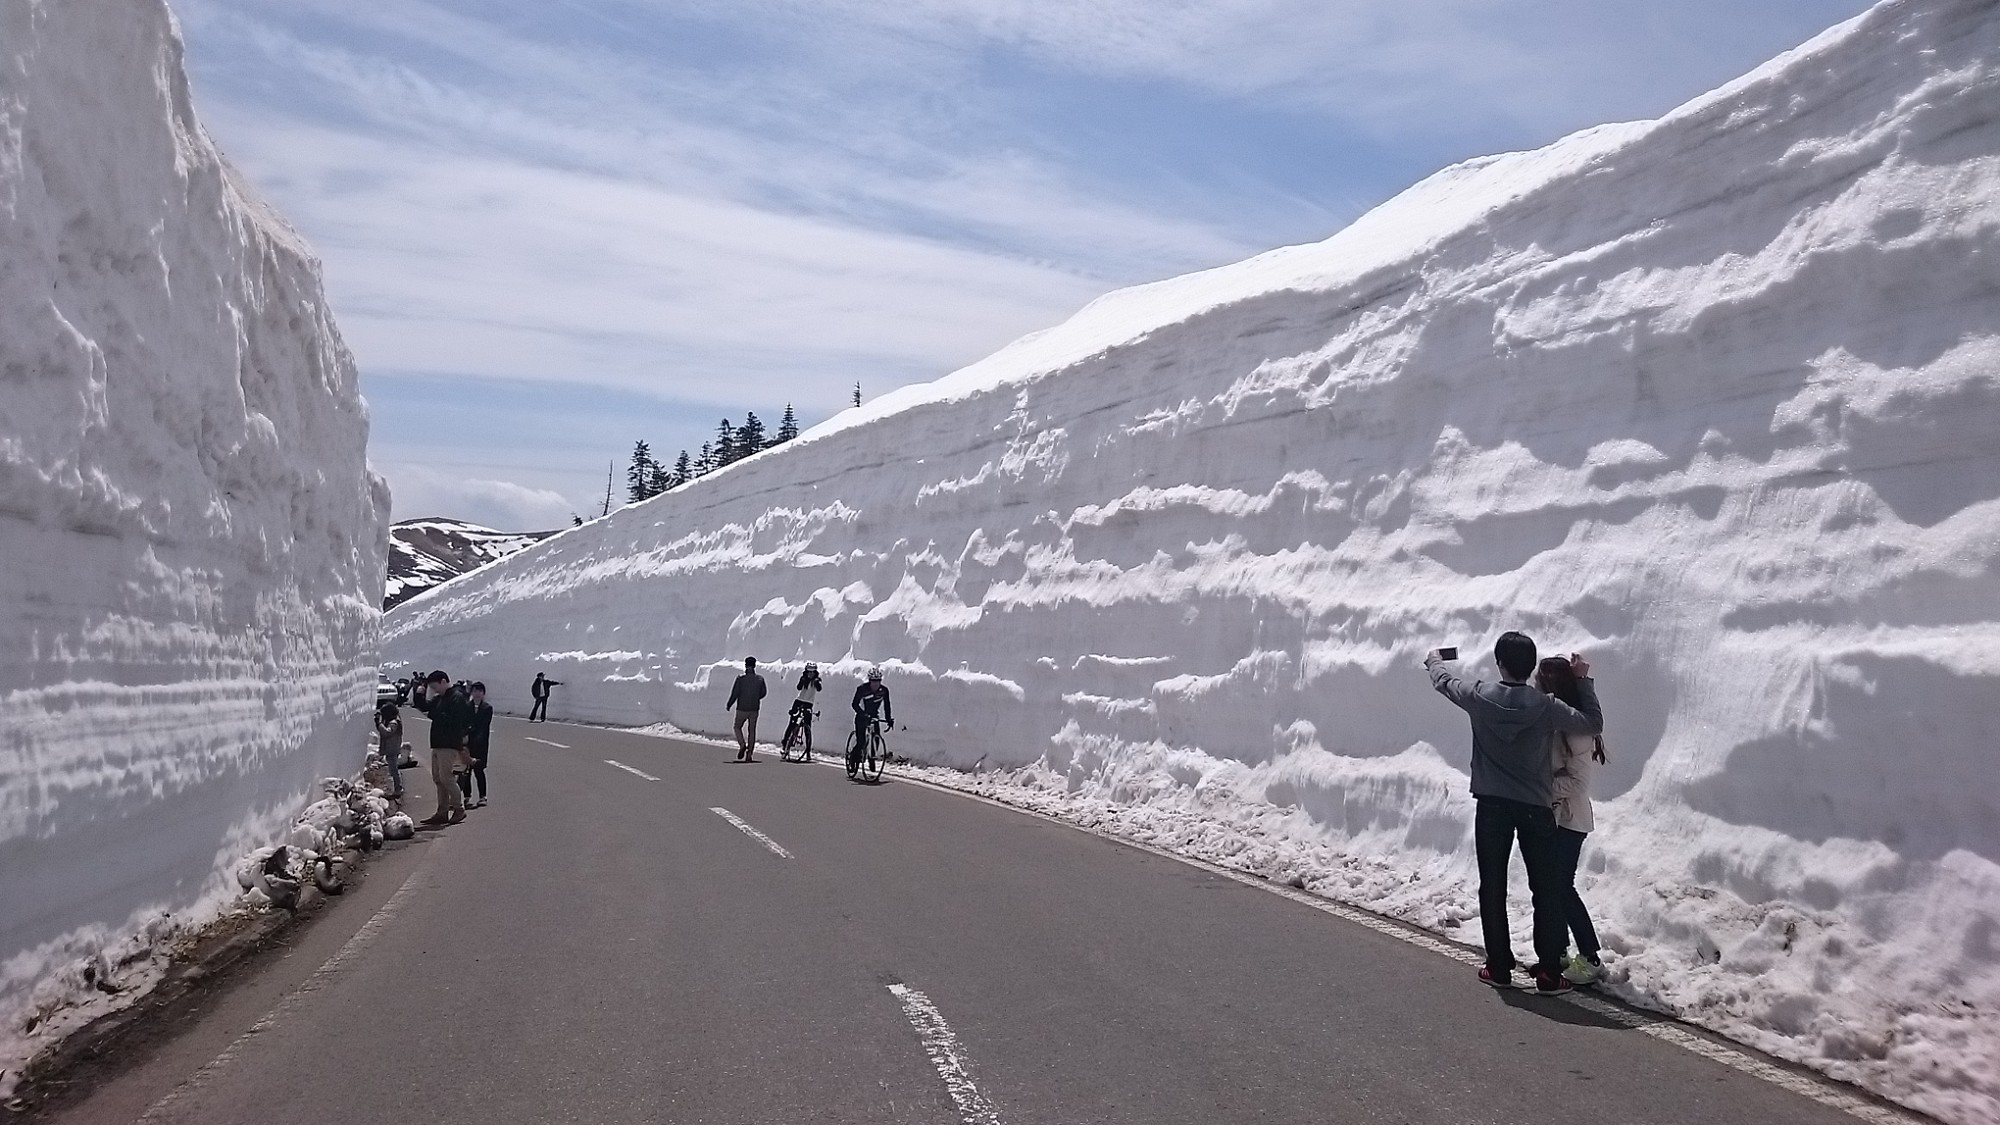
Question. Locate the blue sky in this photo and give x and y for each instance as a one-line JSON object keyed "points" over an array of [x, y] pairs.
{"points": [[554, 227]]}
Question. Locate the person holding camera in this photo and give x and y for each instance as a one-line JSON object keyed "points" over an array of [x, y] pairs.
{"points": [[1513, 785], [451, 726]]}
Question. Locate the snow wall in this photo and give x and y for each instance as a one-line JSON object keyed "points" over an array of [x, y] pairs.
{"points": [[191, 542], [1714, 399]]}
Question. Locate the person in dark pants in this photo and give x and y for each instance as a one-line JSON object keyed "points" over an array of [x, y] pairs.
{"points": [[479, 734], [871, 702], [389, 730], [1575, 758], [539, 713], [1513, 784], [745, 696], [451, 718]]}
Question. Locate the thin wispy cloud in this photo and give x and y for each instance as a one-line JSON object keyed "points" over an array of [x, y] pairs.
{"points": [[712, 205]]}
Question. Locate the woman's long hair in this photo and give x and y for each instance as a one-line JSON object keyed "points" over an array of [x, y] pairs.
{"points": [[1555, 676]]}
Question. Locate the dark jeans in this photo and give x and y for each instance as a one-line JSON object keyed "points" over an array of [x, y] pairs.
{"points": [[478, 770], [1494, 828], [1569, 850], [539, 713], [801, 725]]}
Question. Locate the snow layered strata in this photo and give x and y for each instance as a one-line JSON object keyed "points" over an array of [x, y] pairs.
{"points": [[192, 543], [1714, 399]]}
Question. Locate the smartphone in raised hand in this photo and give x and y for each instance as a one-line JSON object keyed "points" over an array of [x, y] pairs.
{"points": [[1448, 653]]}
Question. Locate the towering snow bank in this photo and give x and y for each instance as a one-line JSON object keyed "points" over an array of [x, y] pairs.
{"points": [[1715, 399], [192, 544]]}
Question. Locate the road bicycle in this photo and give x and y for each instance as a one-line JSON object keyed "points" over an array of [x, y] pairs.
{"points": [[865, 762], [798, 737]]}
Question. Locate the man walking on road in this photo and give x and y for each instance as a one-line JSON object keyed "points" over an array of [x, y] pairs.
{"points": [[744, 698], [1513, 783], [539, 713], [451, 724]]}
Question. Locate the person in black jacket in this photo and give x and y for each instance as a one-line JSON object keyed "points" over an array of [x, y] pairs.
{"points": [[744, 697], [479, 734], [539, 713], [871, 704], [451, 723]]}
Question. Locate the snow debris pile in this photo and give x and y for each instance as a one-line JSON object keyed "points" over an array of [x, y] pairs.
{"points": [[192, 538], [1713, 398]]}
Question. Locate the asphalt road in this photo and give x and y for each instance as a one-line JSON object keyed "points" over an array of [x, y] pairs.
{"points": [[594, 946]]}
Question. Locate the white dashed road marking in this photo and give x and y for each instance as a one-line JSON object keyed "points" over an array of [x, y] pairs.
{"points": [[629, 769], [751, 832], [1663, 1028], [545, 742], [942, 1047], [323, 976]]}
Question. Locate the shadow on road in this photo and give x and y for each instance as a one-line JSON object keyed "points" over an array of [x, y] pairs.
{"points": [[1557, 1010]]}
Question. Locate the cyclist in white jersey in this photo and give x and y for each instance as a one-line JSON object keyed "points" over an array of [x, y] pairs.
{"points": [[801, 716]]}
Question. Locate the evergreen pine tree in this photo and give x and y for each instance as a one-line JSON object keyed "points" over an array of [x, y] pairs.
{"points": [[683, 471], [788, 426], [857, 394], [640, 475], [575, 520], [750, 435], [657, 480], [705, 464], [725, 444]]}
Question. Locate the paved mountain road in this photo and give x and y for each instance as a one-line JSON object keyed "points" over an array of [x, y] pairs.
{"points": [[596, 947]]}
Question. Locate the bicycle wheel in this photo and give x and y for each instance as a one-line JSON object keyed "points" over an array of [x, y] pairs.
{"points": [[785, 747], [877, 756], [853, 757]]}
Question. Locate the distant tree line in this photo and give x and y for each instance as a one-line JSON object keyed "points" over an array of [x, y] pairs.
{"points": [[647, 477]]}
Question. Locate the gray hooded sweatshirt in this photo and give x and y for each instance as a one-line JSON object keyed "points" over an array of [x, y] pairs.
{"points": [[1511, 728]]}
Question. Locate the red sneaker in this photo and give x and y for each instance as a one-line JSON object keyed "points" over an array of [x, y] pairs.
{"points": [[1502, 979], [1551, 984]]}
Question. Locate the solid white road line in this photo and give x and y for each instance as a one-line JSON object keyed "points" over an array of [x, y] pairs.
{"points": [[751, 832], [942, 1047], [545, 742], [628, 769], [321, 977], [1824, 1091]]}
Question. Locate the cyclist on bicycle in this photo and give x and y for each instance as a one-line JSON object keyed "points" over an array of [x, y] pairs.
{"points": [[802, 707], [869, 698]]}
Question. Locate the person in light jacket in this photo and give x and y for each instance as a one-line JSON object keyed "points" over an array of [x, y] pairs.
{"points": [[1513, 788], [1574, 756]]}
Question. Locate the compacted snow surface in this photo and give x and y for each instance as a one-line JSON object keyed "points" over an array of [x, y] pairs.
{"points": [[1714, 399], [192, 543]]}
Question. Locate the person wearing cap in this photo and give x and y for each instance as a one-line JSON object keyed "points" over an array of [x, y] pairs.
{"points": [[451, 728], [744, 697]]}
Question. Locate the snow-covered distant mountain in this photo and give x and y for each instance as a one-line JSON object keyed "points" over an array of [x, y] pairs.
{"points": [[1712, 398], [423, 553]]}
